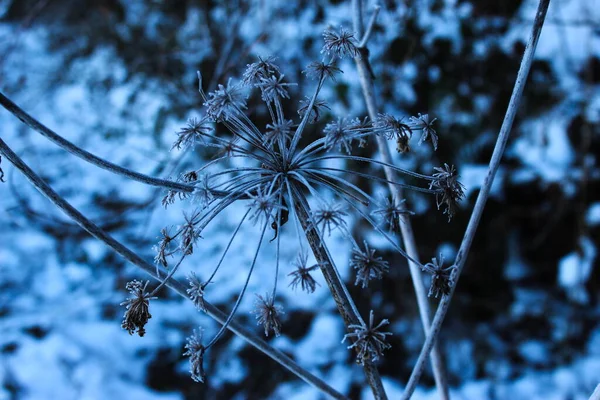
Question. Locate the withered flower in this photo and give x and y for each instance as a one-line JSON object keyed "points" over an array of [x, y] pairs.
{"points": [[137, 308]]}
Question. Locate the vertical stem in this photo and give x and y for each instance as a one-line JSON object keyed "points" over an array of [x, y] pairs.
{"points": [[408, 236], [338, 290], [465, 245]]}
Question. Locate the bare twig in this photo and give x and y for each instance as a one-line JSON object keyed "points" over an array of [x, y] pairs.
{"points": [[405, 223], [150, 269], [86, 156], [483, 194], [369, 31]]}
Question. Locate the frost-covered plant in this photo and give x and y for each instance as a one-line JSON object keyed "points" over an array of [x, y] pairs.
{"points": [[286, 178]]}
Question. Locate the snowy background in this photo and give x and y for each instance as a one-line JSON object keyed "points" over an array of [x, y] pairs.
{"points": [[118, 78]]}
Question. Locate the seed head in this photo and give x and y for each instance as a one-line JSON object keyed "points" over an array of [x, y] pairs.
{"points": [[368, 341], [273, 88], [317, 70], [193, 133], [223, 101], [301, 276], [256, 72], [340, 44], [263, 204], [442, 278], [137, 308], [392, 128], [195, 351], [329, 217], [425, 125], [449, 191], [164, 248], [390, 212], [268, 314], [278, 130], [315, 111], [196, 291], [367, 266]]}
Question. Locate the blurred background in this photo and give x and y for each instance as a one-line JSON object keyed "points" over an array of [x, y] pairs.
{"points": [[118, 78]]}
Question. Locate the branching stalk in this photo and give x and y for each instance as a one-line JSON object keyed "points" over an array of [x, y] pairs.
{"points": [[465, 245]]}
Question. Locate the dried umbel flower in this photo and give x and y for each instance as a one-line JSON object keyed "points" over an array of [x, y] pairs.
{"points": [[273, 88], [329, 217], [193, 133], [369, 341], [189, 236], [340, 44], [268, 314], [425, 125], [301, 275], [341, 133], [263, 204], [279, 131], [393, 128], [164, 248], [137, 308], [442, 278], [367, 265], [256, 72], [448, 190], [223, 100], [390, 212], [321, 70], [195, 351], [315, 109], [196, 292]]}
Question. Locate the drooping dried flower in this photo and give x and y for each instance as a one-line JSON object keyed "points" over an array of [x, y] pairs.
{"points": [[137, 311], [189, 236], [194, 132], [390, 212], [301, 275], [163, 249], [320, 70], [340, 44], [367, 266], [368, 341], [425, 125], [392, 128], [449, 191], [315, 110], [442, 278], [196, 291], [268, 314], [195, 351]]}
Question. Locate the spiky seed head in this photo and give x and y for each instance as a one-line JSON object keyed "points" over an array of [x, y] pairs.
{"points": [[268, 314], [137, 308], [369, 341]]}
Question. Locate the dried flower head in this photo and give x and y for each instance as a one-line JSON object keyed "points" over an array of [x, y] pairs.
{"points": [[196, 291], [442, 278], [315, 110], [137, 308], [449, 191], [224, 100], [274, 89], [341, 133], [164, 248], [189, 236], [193, 133], [268, 314], [320, 70], [279, 131], [195, 351], [256, 72], [367, 266], [369, 342], [263, 204], [340, 44], [425, 125], [393, 128], [301, 275], [390, 212], [329, 217]]}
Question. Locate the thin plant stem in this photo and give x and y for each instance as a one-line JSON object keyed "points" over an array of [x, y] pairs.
{"points": [[406, 230], [596, 394], [486, 186], [85, 155], [338, 290], [174, 284]]}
